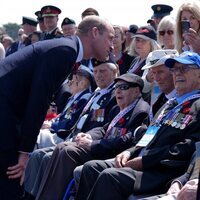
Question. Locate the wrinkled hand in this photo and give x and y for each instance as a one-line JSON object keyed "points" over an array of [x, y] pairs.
{"points": [[17, 171], [188, 191], [82, 135], [175, 188], [84, 140], [135, 163], [122, 158], [192, 38]]}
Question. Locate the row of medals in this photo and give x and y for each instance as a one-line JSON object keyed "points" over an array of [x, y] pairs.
{"points": [[99, 112], [178, 120]]}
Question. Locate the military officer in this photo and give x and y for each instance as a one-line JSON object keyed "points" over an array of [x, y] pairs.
{"points": [[40, 20], [29, 25], [159, 11], [50, 14]]}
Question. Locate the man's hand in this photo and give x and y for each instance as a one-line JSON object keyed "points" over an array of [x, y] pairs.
{"points": [[135, 163], [84, 140], [188, 191], [175, 188], [81, 136], [122, 158], [17, 171]]}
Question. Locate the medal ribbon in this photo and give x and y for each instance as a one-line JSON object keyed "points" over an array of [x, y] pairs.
{"points": [[120, 115], [161, 117], [95, 98]]}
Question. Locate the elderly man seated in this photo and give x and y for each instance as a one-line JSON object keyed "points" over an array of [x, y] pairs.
{"points": [[164, 151], [101, 142]]}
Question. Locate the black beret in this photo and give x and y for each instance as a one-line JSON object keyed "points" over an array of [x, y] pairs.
{"points": [[29, 20], [67, 21], [110, 59], [133, 28], [39, 16]]}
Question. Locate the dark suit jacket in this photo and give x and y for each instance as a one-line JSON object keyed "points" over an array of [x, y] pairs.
{"points": [[168, 154], [73, 112], [31, 77], [110, 147], [13, 48], [162, 99]]}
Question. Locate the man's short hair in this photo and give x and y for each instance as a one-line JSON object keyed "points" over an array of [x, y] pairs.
{"points": [[92, 21], [89, 11]]}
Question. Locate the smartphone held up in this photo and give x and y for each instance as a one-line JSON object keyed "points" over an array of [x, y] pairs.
{"points": [[185, 25]]}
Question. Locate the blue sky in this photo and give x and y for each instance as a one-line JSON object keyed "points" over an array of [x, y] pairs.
{"points": [[119, 12]]}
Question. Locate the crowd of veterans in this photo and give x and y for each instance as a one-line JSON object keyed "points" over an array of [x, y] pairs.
{"points": [[99, 111]]}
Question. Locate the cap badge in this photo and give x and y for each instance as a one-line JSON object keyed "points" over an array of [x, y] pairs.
{"points": [[48, 10], [158, 8]]}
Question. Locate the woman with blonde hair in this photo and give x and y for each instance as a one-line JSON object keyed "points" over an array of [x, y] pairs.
{"points": [[143, 43], [189, 11]]}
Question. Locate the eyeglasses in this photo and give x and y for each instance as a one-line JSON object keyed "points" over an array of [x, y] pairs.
{"points": [[123, 86], [169, 32], [182, 69]]}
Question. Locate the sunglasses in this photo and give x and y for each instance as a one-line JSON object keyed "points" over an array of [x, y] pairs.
{"points": [[123, 86], [169, 32], [182, 69]]}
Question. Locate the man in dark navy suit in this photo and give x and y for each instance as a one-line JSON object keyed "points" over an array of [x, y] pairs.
{"points": [[28, 80]]}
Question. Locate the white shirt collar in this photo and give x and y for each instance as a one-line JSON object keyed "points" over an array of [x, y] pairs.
{"points": [[171, 94], [80, 53]]}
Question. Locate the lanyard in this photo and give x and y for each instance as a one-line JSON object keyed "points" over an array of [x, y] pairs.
{"points": [[120, 115]]}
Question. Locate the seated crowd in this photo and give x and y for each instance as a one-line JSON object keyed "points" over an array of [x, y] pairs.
{"points": [[130, 128]]}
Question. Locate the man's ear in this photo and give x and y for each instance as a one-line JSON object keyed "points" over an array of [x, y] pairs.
{"points": [[95, 32]]}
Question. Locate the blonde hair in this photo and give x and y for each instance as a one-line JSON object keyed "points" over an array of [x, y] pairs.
{"points": [[194, 8], [154, 46]]}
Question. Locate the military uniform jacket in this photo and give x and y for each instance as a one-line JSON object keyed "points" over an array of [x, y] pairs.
{"points": [[56, 33], [106, 103], [168, 153], [121, 136], [70, 114], [28, 80]]}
